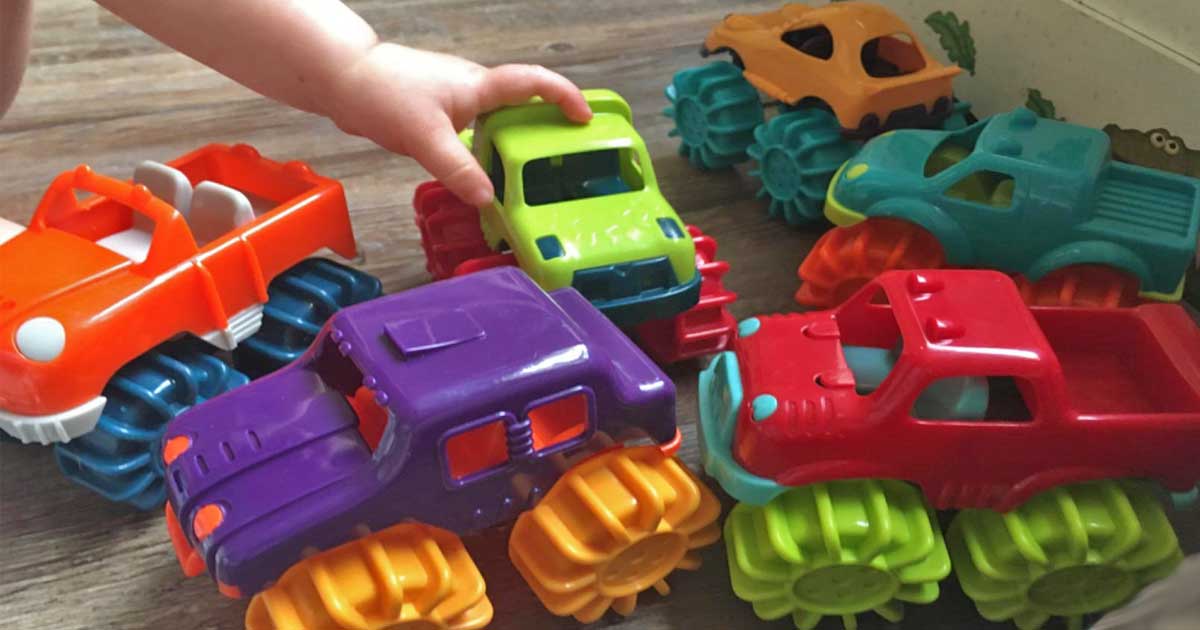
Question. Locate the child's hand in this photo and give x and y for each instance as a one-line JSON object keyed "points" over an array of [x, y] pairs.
{"points": [[317, 55], [414, 102]]}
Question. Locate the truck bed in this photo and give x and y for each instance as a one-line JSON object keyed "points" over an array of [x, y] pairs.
{"points": [[1122, 361], [1145, 202]]}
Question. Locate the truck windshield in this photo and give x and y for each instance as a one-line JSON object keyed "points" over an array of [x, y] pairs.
{"points": [[581, 176], [339, 373]]}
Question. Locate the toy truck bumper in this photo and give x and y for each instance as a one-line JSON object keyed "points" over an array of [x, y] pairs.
{"points": [[63, 426], [659, 304], [720, 395]]}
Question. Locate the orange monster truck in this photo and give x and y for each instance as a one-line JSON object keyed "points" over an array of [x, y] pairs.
{"points": [[839, 74], [113, 307]]}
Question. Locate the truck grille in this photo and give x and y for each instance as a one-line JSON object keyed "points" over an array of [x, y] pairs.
{"points": [[615, 282]]}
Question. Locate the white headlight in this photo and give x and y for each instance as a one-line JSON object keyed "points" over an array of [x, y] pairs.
{"points": [[41, 339]]}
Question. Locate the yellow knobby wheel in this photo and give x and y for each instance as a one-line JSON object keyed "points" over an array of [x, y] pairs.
{"points": [[407, 577], [613, 526]]}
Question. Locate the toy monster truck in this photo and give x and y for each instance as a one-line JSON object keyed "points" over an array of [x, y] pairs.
{"points": [[114, 309], [423, 415], [839, 73], [578, 205], [840, 431], [1029, 196]]}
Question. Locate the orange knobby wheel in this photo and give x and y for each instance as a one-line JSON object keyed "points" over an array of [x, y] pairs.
{"points": [[613, 526], [1081, 285], [846, 258], [407, 577]]}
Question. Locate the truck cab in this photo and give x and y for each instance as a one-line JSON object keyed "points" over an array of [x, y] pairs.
{"points": [[452, 405], [947, 380], [579, 205]]}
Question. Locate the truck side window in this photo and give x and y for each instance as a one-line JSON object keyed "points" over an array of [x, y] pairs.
{"points": [[496, 174], [983, 398], [477, 450], [814, 41], [985, 187], [559, 421]]}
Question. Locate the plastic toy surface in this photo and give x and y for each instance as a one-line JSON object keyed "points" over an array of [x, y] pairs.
{"points": [[579, 205], [1017, 193], [846, 418], [98, 287], [842, 71], [427, 414], [856, 57]]}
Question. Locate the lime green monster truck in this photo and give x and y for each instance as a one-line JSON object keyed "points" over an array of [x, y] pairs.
{"points": [[578, 205]]}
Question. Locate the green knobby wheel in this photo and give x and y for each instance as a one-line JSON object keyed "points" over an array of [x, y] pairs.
{"points": [[798, 152], [715, 112], [836, 549], [1068, 552]]}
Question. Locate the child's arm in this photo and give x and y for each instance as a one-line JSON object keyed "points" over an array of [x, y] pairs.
{"points": [[15, 19], [319, 56]]}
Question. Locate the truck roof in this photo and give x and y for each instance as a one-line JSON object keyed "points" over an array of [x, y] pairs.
{"points": [[538, 129], [433, 349], [1023, 135], [963, 315]]}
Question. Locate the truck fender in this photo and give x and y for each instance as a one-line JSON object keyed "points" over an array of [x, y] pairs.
{"points": [[945, 229], [1040, 482], [1090, 252]]}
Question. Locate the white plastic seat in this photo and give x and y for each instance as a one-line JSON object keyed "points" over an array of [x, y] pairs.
{"points": [[164, 182], [217, 210]]}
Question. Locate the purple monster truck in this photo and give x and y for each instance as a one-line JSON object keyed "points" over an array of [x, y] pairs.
{"points": [[333, 491]]}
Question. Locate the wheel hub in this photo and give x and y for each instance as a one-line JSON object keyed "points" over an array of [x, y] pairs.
{"points": [[691, 121], [1081, 590], [642, 564], [844, 589], [780, 174], [418, 624]]}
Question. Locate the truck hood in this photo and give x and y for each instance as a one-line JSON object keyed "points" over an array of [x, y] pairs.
{"points": [[260, 448], [904, 151], [608, 230], [30, 276]]}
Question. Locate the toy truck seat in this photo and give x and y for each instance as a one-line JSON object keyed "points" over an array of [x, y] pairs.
{"points": [[955, 398], [166, 183]]}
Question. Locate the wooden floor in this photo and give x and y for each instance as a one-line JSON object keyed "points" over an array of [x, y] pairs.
{"points": [[102, 93]]}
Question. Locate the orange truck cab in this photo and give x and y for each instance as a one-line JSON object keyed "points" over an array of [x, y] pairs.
{"points": [[186, 247]]}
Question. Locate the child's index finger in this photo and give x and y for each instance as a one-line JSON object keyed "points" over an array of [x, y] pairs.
{"points": [[515, 84]]}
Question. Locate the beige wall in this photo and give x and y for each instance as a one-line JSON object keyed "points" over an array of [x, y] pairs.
{"points": [[1131, 62]]}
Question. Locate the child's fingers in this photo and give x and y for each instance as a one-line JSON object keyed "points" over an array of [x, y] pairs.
{"points": [[451, 163], [513, 84]]}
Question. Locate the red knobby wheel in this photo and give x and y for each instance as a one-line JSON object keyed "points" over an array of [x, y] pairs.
{"points": [[450, 232], [1081, 285], [846, 258], [707, 327]]}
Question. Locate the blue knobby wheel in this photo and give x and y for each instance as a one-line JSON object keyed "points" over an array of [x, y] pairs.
{"points": [[798, 152], [120, 459], [302, 299], [715, 112]]}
